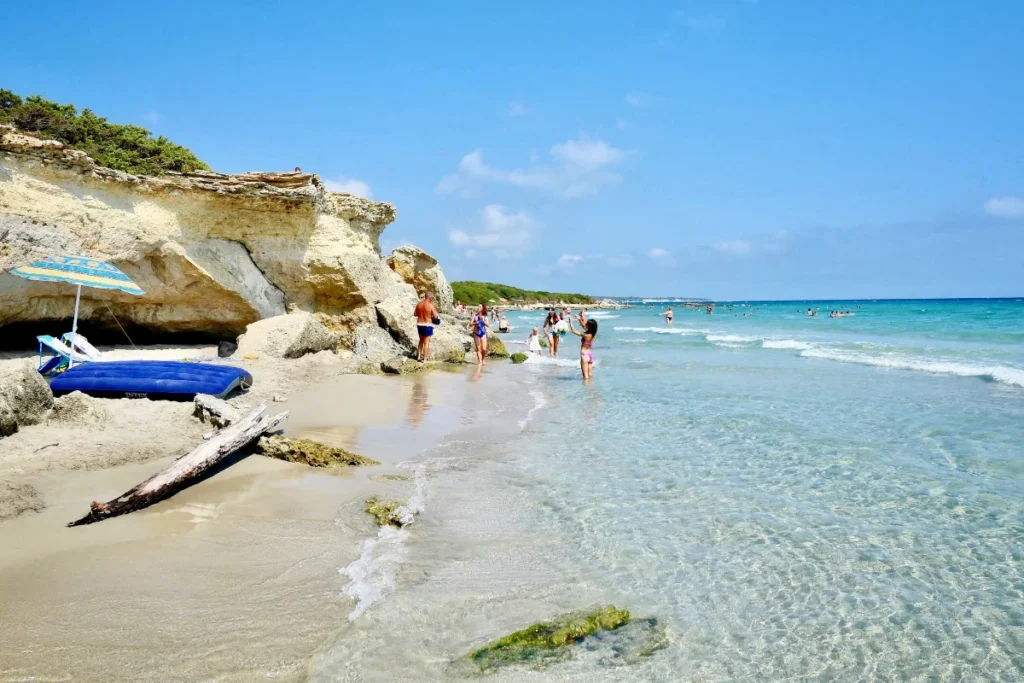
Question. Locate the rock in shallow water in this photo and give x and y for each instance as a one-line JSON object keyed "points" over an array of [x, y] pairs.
{"points": [[310, 453], [384, 511], [519, 357]]}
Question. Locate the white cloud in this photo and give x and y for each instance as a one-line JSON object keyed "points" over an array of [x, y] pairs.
{"points": [[1005, 207], [518, 109], [579, 167], [638, 99], [568, 261], [662, 257], [501, 232], [624, 261], [658, 253], [737, 247], [349, 186]]}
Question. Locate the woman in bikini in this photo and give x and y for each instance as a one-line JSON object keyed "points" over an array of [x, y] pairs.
{"points": [[478, 326], [551, 333], [586, 346]]}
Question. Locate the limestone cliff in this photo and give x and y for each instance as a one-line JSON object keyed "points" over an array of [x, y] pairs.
{"points": [[214, 252]]}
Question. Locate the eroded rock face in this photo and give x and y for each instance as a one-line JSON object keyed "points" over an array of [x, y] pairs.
{"points": [[214, 252], [422, 271]]}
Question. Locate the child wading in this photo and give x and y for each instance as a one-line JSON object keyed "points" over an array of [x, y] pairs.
{"points": [[586, 345]]}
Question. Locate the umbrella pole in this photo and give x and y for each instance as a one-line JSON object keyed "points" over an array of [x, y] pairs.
{"points": [[74, 323]]}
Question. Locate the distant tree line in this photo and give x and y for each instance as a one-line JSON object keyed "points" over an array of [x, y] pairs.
{"points": [[127, 148], [471, 293]]}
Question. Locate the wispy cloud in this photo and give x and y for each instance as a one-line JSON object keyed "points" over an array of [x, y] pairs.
{"points": [[517, 108], [500, 232], [568, 261], [621, 124], [639, 100], [154, 117], [578, 167], [658, 253], [1005, 207], [735, 247], [623, 261], [349, 186]]}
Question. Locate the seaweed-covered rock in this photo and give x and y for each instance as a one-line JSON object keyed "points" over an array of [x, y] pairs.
{"points": [[385, 511], [496, 348], [400, 365], [547, 640], [543, 343], [308, 452], [518, 357]]}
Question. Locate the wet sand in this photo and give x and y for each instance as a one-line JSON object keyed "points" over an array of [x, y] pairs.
{"points": [[233, 579]]}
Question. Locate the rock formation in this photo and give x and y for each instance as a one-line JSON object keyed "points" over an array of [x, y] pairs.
{"points": [[421, 270], [25, 397], [214, 252]]}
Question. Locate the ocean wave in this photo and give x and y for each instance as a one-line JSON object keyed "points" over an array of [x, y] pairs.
{"points": [[372, 575], [731, 341], [560, 362], [997, 373], [601, 315], [662, 330], [634, 341], [539, 401], [789, 344]]}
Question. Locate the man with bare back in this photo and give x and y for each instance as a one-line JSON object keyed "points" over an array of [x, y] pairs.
{"points": [[426, 318]]}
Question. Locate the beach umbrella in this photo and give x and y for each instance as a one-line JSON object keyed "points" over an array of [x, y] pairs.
{"points": [[81, 271]]}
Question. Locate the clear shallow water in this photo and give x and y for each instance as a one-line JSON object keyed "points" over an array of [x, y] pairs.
{"points": [[798, 498]]}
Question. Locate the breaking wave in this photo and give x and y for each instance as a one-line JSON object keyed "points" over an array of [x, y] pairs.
{"points": [[995, 373], [372, 575]]}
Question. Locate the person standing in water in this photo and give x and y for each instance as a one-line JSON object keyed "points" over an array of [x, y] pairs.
{"points": [[426, 318], [550, 332], [586, 346], [478, 326], [668, 316]]}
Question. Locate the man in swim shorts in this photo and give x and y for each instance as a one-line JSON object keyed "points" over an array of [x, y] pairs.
{"points": [[426, 318]]}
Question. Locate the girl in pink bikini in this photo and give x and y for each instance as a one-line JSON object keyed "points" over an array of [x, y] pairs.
{"points": [[586, 345]]}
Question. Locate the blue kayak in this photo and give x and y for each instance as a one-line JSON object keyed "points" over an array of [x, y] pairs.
{"points": [[175, 380]]}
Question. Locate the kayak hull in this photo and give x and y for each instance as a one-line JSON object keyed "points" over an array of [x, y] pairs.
{"points": [[170, 380]]}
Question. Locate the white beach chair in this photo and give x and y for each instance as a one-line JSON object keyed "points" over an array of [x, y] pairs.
{"points": [[82, 345]]}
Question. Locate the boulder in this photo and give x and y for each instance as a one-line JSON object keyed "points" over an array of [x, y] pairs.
{"points": [[307, 452], [286, 336], [519, 358], [214, 411], [401, 365], [421, 270], [25, 397], [372, 344], [395, 314], [496, 348]]}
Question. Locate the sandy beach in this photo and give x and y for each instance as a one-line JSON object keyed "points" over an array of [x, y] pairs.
{"points": [[234, 577]]}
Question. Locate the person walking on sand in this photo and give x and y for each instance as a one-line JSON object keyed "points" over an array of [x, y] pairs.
{"points": [[478, 326], [426, 318], [586, 346]]}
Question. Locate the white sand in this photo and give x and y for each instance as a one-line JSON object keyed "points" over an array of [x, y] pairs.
{"points": [[232, 578]]}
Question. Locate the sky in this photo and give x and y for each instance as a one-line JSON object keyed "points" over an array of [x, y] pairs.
{"points": [[729, 149]]}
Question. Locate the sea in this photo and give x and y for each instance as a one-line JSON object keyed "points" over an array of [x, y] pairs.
{"points": [[773, 496]]}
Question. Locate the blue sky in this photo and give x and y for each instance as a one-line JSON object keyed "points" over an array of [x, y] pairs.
{"points": [[728, 149]]}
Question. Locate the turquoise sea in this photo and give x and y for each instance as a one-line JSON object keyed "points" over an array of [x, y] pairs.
{"points": [[792, 498]]}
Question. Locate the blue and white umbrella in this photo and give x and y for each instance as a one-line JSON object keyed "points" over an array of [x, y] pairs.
{"points": [[81, 271]]}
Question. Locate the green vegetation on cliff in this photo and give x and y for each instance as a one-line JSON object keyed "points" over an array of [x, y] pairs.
{"points": [[127, 148], [471, 293]]}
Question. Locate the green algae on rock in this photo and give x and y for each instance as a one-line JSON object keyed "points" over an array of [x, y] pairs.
{"points": [[384, 511], [546, 641], [306, 452], [496, 348], [519, 357]]}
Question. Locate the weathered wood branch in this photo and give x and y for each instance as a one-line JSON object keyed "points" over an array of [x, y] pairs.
{"points": [[186, 469]]}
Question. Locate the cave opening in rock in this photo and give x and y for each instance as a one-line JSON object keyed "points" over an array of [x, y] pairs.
{"points": [[21, 336]]}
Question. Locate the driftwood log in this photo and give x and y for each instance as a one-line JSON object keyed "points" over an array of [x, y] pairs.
{"points": [[186, 469]]}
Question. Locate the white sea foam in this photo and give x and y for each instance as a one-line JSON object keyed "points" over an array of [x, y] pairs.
{"points": [[997, 373], [601, 315], [372, 575], [634, 341], [538, 402], [791, 344], [548, 360], [731, 341], [662, 330]]}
